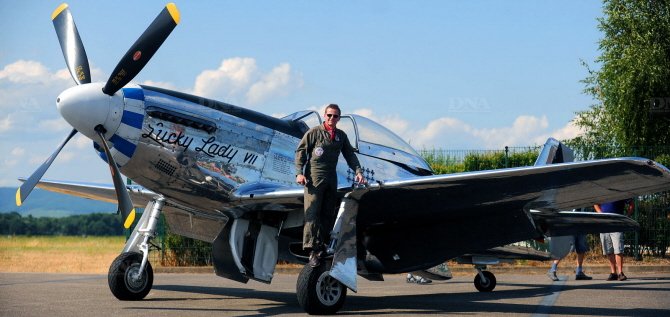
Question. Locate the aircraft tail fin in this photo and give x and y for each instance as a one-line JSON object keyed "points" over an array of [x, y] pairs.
{"points": [[554, 152]]}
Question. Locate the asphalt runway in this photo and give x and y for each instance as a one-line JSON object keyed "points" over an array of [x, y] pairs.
{"points": [[39, 294]]}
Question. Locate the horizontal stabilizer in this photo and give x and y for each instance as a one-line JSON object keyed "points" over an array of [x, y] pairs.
{"points": [[568, 223]]}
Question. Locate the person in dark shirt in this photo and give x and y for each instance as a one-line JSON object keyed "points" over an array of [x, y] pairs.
{"points": [[612, 242], [315, 162]]}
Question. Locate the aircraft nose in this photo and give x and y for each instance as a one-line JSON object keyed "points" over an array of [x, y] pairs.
{"points": [[85, 106]]}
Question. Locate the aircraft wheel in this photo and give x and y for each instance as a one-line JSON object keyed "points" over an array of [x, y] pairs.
{"points": [[490, 282], [122, 278], [319, 293]]}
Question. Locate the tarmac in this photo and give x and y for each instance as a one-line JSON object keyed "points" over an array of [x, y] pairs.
{"points": [[464, 269], [189, 294]]}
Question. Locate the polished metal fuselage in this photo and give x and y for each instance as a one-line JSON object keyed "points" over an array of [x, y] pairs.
{"points": [[203, 155]]}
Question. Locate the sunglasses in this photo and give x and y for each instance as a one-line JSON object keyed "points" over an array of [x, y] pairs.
{"points": [[330, 115]]}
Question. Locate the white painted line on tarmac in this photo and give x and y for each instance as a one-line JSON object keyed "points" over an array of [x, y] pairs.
{"points": [[544, 307]]}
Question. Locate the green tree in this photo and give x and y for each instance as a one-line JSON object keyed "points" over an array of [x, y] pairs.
{"points": [[634, 72]]}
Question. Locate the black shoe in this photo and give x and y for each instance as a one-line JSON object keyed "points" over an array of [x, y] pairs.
{"points": [[582, 277], [314, 259], [612, 277], [622, 277]]}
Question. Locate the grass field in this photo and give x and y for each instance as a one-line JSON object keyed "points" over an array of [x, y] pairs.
{"points": [[58, 254]]}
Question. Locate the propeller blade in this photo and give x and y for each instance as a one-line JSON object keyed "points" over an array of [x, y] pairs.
{"points": [[27, 186], [125, 203], [144, 48], [70, 43]]}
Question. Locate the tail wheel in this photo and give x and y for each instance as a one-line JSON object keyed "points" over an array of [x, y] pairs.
{"points": [[487, 286], [318, 292], [125, 280]]}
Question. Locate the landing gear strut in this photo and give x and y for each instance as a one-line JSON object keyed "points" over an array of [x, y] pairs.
{"points": [[131, 276]]}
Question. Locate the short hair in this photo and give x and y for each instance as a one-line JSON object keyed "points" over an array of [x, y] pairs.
{"points": [[333, 106]]}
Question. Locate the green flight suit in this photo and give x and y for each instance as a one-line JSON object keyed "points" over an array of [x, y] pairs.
{"points": [[316, 157]]}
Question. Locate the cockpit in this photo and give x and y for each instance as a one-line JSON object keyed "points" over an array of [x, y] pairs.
{"points": [[370, 138]]}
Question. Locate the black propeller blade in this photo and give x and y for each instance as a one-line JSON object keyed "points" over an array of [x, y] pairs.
{"points": [[28, 186], [128, 67], [70, 43], [144, 48], [125, 203]]}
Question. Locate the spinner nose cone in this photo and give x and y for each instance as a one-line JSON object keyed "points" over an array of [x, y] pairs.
{"points": [[85, 106]]}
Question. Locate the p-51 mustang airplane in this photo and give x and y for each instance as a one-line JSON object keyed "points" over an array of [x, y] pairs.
{"points": [[224, 174]]}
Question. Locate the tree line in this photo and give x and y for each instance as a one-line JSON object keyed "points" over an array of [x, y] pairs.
{"points": [[96, 224]]}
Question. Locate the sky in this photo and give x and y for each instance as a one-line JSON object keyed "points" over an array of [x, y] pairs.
{"points": [[441, 74]]}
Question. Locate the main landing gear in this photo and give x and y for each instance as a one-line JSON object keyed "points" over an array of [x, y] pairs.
{"points": [[126, 279], [319, 293], [131, 276], [485, 281]]}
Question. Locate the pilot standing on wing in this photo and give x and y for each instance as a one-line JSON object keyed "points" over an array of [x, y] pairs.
{"points": [[315, 162]]}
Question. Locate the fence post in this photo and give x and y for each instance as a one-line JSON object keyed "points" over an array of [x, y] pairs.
{"points": [[506, 156], [637, 253]]}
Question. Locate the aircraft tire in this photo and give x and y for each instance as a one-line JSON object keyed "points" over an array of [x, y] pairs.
{"points": [[485, 287], [120, 280], [319, 293]]}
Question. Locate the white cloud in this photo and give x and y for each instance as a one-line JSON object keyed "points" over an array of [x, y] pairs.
{"points": [[452, 133], [523, 130], [18, 152], [14, 158], [54, 125], [28, 87], [161, 84], [391, 122], [63, 74], [5, 124], [66, 156], [569, 131], [37, 159], [278, 83], [81, 141], [232, 77], [239, 79], [25, 72]]}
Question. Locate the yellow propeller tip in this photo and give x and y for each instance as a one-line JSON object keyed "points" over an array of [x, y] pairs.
{"points": [[18, 197], [58, 10], [172, 8], [130, 219]]}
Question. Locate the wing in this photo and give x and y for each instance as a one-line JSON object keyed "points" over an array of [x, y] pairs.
{"points": [[102, 192], [413, 224]]}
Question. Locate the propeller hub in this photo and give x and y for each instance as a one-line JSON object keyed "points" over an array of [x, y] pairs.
{"points": [[85, 106]]}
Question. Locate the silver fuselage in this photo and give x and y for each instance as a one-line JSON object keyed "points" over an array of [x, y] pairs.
{"points": [[205, 154]]}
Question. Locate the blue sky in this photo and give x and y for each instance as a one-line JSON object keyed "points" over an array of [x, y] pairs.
{"points": [[442, 74]]}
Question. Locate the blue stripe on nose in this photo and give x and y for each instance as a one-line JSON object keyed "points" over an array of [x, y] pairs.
{"points": [[124, 146], [132, 119], [133, 93]]}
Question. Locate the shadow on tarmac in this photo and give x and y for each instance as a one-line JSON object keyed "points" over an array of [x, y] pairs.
{"points": [[437, 303]]}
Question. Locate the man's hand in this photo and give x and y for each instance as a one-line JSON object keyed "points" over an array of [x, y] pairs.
{"points": [[301, 179], [360, 179]]}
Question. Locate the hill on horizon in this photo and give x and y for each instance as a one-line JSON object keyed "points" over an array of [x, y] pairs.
{"points": [[43, 203]]}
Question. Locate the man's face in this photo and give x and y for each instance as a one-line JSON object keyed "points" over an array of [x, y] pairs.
{"points": [[331, 117]]}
